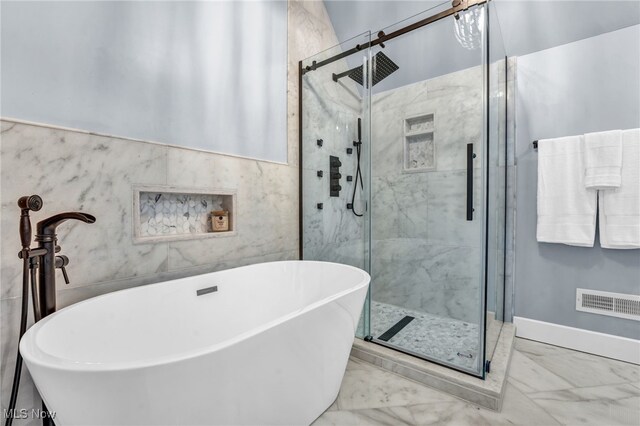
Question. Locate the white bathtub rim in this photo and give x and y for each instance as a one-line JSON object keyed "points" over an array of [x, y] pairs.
{"points": [[43, 359]]}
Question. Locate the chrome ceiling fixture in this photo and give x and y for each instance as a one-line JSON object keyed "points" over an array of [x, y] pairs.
{"points": [[468, 26]]}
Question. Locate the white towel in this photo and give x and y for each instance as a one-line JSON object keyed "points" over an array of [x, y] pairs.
{"points": [[566, 209], [603, 159], [620, 208]]}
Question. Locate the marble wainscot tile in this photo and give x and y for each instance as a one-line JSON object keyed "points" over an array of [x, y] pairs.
{"points": [[102, 251], [264, 224]]}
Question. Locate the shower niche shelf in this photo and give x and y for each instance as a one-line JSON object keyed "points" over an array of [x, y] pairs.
{"points": [[419, 143], [164, 213]]}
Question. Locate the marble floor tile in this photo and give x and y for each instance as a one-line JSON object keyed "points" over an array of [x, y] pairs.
{"points": [[584, 370], [366, 386], [601, 405], [535, 395], [531, 347], [373, 416], [528, 376], [517, 410], [579, 368]]}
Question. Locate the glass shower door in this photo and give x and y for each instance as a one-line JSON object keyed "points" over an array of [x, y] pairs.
{"points": [[428, 201], [334, 150]]}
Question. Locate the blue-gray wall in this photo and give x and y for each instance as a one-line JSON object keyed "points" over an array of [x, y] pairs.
{"points": [[586, 86], [207, 75]]}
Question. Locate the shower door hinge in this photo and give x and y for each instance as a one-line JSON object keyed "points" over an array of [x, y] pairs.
{"points": [[487, 366], [368, 338]]}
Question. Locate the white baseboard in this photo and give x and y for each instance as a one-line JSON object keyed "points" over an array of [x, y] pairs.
{"points": [[608, 345]]}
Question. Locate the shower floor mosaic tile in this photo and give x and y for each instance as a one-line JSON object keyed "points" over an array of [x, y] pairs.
{"points": [[440, 338]]}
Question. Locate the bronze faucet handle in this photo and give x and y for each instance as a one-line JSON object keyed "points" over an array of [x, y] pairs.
{"points": [[61, 263]]}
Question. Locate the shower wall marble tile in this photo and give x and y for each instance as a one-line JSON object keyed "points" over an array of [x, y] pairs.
{"points": [[74, 170], [426, 255], [331, 112], [416, 274], [450, 98]]}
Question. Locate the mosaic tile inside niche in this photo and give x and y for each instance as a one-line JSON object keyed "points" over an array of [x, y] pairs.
{"points": [[174, 214]]}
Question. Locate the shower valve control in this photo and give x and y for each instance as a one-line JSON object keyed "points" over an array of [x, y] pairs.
{"points": [[334, 174]]}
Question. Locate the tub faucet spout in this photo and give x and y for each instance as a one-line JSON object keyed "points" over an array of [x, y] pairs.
{"points": [[47, 239]]}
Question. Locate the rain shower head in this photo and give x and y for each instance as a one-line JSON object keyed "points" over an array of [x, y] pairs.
{"points": [[382, 68]]}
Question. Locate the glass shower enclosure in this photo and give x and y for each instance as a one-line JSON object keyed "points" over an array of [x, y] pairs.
{"points": [[403, 151]]}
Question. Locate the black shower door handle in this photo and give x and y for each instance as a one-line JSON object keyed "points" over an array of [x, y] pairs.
{"points": [[470, 156]]}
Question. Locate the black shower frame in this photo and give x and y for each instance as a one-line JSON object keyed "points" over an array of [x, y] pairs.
{"points": [[457, 7]]}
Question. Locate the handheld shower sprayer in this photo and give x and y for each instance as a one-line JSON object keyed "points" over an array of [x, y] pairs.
{"points": [[33, 203], [358, 145]]}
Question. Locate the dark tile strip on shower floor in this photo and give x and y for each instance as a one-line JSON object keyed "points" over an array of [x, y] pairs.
{"points": [[440, 338], [397, 327]]}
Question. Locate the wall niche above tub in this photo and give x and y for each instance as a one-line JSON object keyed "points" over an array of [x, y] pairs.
{"points": [[172, 214]]}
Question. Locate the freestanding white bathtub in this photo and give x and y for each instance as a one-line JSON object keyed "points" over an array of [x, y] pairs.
{"points": [[270, 346]]}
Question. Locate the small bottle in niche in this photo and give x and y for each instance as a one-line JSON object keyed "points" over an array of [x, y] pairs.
{"points": [[220, 220]]}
